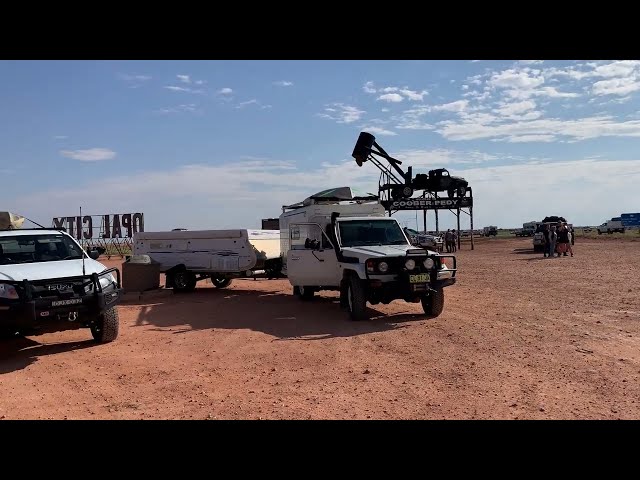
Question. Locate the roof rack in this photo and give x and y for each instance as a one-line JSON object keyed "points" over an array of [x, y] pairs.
{"points": [[59, 229]]}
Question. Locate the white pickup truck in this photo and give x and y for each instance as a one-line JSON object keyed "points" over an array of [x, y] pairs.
{"points": [[48, 283], [611, 226]]}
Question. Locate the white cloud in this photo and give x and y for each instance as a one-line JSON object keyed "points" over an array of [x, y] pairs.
{"points": [[457, 106], [395, 94], [60, 137], [616, 86], [378, 130], [414, 125], [283, 83], [175, 88], [189, 107], [465, 87], [369, 88], [413, 95], [184, 78], [259, 189], [134, 81], [530, 62], [384, 109], [90, 155], [442, 156], [137, 78], [411, 119], [531, 138], [225, 91], [342, 113], [516, 79], [515, 108], [248, 102], [577, 129], [390, 97]]}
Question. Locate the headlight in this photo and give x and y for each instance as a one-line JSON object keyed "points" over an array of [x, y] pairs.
{"points": [[428, 263], [106, 281], [383, 267], [7, 291], [410, 264]]}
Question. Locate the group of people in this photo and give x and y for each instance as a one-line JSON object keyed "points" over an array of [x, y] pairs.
{"points": [[557, 239], [451, 240]]}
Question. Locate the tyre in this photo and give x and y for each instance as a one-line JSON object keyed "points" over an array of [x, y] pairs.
{"points": [[451, 192], [433, 304], [305, 293], [221, 282], [106, 326], [184, 281], [356, 299]]}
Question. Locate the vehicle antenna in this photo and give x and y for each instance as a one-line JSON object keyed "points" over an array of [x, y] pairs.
{"points": [[83, 254]]}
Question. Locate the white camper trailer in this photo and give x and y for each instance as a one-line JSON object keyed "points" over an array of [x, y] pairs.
{"points": [[221, 255]]}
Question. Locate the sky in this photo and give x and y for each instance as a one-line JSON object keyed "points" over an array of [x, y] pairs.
{"points": [[223, 144]]}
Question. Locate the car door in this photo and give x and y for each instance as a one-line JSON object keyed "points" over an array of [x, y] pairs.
{"points": [[311, 259]]}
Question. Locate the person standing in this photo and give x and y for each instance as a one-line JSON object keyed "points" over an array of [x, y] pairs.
{"points": [[564, 243], [447, 240], [547, 245], [553, 238]]}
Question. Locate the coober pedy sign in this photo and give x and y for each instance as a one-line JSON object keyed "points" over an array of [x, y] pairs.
{"points": [[428, 203]]}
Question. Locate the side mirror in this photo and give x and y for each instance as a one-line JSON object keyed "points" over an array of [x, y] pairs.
{"points": [[94, 254]]}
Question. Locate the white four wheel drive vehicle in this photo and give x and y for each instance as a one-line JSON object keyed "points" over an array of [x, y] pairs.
{"points": [[329, 243], [611, 226], [48, 283]]}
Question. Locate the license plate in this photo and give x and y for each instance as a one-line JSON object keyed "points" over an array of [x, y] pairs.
{"points": [[420, 278], [61, 303]]}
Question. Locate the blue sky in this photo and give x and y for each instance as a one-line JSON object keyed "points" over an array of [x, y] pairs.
{"points": [[222, 144]]}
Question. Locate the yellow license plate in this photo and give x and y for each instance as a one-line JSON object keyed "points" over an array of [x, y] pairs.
{"points": [[420, 278]]}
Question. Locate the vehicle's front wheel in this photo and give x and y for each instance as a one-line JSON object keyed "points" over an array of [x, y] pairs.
{"points": [[433, 304], [221, 282], [305, 293], [106, 326], [356, 298]]}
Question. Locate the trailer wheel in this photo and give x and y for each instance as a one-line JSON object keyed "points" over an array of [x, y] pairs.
{"points": [[184, 281], [433, 304], [220, 282]]}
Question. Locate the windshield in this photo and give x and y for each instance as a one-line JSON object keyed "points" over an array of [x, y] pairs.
{"points": [[37, 248], [357, 233]]}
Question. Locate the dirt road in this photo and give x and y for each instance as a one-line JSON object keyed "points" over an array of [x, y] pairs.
{"points": [[520, 337]]}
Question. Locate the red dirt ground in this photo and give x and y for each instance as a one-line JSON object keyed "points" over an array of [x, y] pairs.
{"points": [[521, 337]]}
